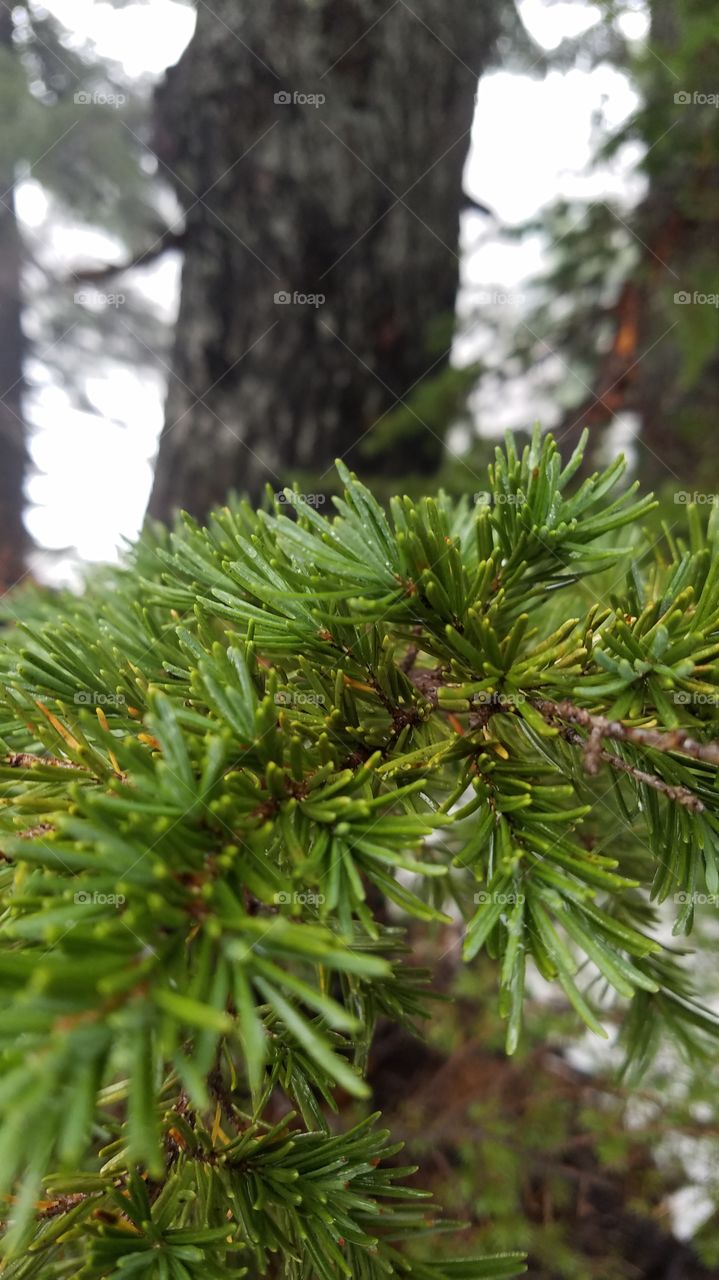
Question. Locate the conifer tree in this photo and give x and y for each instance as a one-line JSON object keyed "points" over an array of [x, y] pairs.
{"points": [[233, 768]]}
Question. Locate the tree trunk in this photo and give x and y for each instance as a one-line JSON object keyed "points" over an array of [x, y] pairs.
{"points": [[350, 199], [13, 458]]}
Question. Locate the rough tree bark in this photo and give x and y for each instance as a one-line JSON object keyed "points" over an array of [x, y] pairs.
{"points": [[13, 459], [356, 199]]}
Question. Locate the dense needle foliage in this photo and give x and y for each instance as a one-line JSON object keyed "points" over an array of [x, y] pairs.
{"points": [[235, 767]]}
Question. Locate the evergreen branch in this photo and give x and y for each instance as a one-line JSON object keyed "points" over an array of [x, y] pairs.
{"points": [[224, 764]]}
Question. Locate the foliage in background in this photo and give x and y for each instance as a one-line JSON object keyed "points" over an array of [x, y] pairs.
{"points": [[73, 143], [548, 1150], [624, 319], [75, 120]]}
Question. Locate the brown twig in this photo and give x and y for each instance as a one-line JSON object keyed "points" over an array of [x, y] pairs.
{"points": [[23, 760], [409, 658], [660, 740], [428, 682], [682, 795], [595, 754]]}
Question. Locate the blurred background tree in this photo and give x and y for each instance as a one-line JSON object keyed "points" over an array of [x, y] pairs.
{"points": [[319, 155], [70, 120], [12, 427], [630, 300]]}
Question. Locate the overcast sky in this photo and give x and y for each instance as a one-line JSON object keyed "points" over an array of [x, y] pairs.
{"points": [[532, 141]]}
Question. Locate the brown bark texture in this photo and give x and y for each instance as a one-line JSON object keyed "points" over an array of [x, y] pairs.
{"points": [[317, 150]]}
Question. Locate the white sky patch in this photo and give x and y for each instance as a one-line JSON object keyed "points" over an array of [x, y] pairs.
{"points": [[549, 24], [690, 1208], [32, 204], [634, 25], [145, 38], [533, 139], [94, 474]]}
